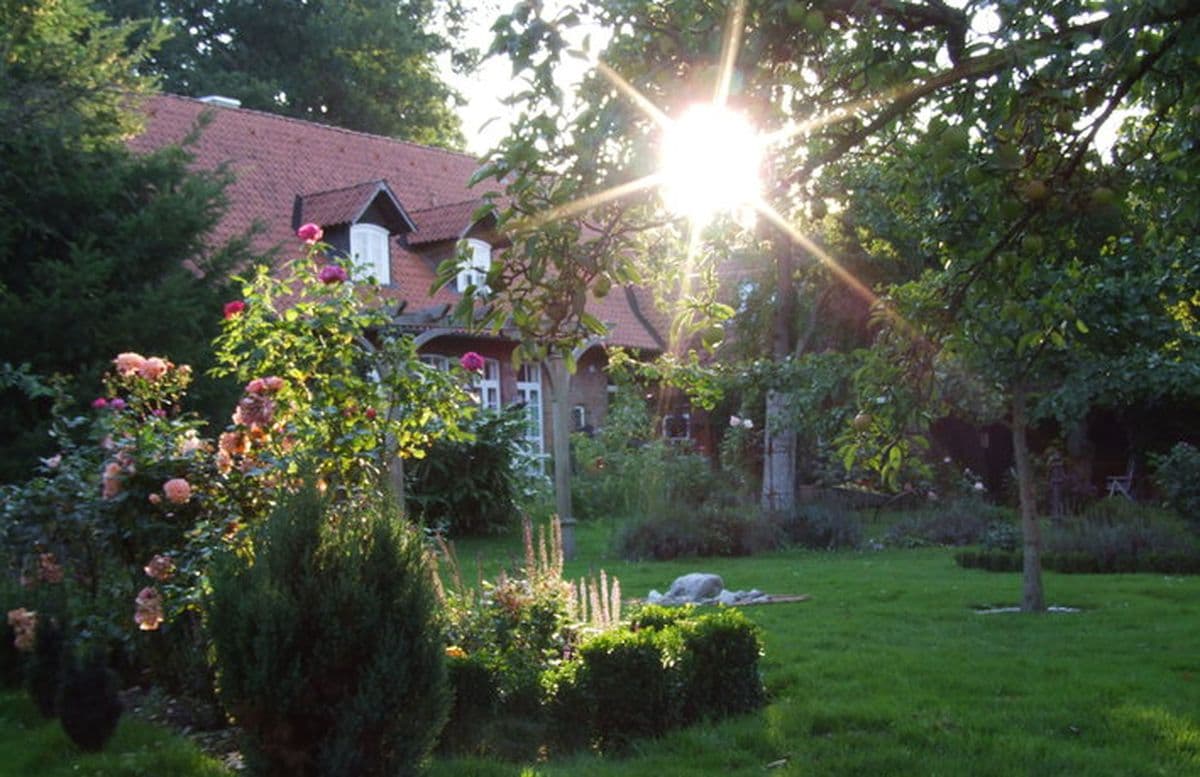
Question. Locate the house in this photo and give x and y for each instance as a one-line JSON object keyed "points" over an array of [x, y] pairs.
{"points": [[399, 209]]}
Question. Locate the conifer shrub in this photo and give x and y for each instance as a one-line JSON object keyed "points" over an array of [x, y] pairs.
{"points": [[11, 671], [89, 708], [328, 651], [46, 666]]}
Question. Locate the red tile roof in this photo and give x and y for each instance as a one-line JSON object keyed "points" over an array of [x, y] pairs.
{"points": [[445, 222], [275, 158], [346, 206]]}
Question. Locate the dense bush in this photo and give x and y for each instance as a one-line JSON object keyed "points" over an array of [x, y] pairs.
{"points": [[626, 470], [1003, 536], [719, 665], [46, 666], [1113, 535], [89, 708], [665, 670], [627, 684], [1177, 475], [10, 657], [823, 527], [471, 487], [960, 522], [476, 701], [327, 647], [717, 528]]}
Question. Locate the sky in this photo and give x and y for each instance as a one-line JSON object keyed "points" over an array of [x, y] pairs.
{"points": [[485, 117]]}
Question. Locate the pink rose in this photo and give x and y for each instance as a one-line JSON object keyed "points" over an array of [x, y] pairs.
{"points": [[177, 490], [161, 568], [332, 273], [255, 386], [148, 613], [24, 625], [129, 363], [234, 308], [272, 383], [99, 403], [116, 403], [154, 499], [49, 570], [255, 411], [310, 233], [471, 361], [153, 368]]}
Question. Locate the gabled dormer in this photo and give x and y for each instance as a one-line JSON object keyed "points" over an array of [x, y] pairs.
{"points": [[360, 222]]}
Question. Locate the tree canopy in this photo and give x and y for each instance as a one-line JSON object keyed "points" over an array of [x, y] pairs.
{"points": [[101, 250], [368, 66], [1010, 187]]}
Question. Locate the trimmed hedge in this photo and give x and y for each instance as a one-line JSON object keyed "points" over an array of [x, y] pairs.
{"points": [[1082, 563], [667, 669]]}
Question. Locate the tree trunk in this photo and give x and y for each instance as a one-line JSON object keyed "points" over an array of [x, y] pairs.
{"points": [[560, 426], [1032, 598], [779, 437], [779, 458]]}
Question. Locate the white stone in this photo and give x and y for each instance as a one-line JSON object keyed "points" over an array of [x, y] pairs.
{"points": [[696, 587]]}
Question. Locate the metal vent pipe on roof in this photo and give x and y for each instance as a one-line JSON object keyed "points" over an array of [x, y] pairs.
{"points": [[221, 101]]}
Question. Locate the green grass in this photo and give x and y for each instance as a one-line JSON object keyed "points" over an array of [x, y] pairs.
{"points": [[887, 670], [31, 746]]}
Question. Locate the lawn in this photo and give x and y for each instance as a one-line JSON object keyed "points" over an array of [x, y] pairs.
{"points": [[33, 747], [886, 670], [889, 670]]}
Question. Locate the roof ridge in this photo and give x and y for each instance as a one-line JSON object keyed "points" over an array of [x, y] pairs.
{"points": [[348, 188], [312, 123]]}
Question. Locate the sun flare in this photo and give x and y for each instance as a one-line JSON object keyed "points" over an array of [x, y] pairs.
{"points": [[711, 158]]}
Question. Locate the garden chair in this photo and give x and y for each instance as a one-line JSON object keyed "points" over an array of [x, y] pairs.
{"points": [[1122, 484]]}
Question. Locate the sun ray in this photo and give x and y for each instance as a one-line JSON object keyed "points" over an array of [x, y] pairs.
{"points": [[839, 114], [569, 209], [730, 44], [630, 91], [840, 272]]}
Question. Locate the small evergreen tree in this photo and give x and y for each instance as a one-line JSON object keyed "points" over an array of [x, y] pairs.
{"points": [[89, 707], [46, 666], [328, 651]]}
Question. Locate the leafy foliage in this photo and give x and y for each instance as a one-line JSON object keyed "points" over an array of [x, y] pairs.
{"points": [[472, 486], [352, 396], [95, 241], [327, 645], [367, 66], [1177, 474]]}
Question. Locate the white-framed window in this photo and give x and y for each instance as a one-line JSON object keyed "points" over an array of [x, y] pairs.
{"points": [[487, 383], [579, 417], [369, 253], [529, 391], [475, 267], [436, 361]]}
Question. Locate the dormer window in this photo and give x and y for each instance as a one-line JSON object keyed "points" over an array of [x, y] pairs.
{"points": [[369, 253], [475, 267]]}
